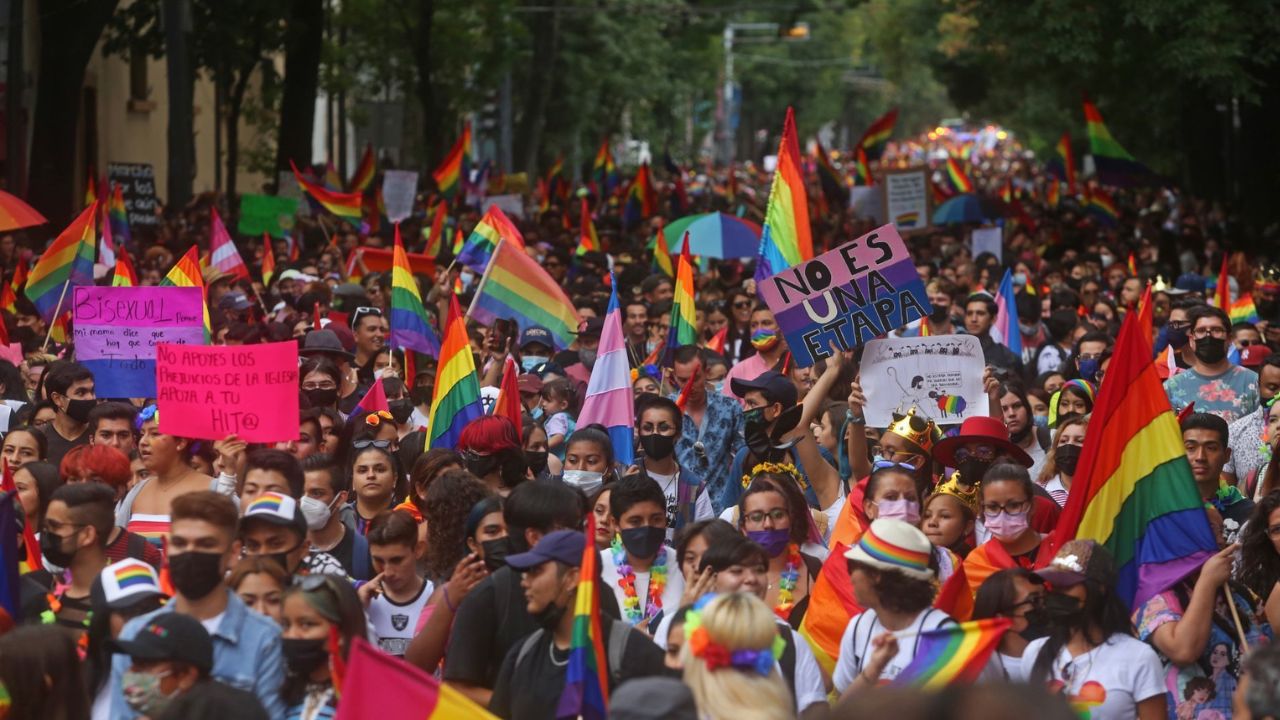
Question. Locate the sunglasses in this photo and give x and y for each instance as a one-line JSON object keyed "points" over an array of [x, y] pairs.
{"points": [[362, 311], [365, 444]]}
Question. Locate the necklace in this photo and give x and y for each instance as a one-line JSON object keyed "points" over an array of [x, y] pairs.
{"points": [[551, 653], [627, 581], [787, 583]]}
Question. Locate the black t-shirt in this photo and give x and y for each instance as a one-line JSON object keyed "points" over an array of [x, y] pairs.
{"points": [[345, 553], [60, 446], [485, 628], [532, 691]]}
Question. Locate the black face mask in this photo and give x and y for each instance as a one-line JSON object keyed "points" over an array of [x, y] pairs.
{"points": [[401, 410], [195, 574], [940, 314], [1058, 611], [480, 465], [1177, 338], [549, 617], [536, 460], [643, 542], [420, 395], [304, 656], [658, 447], [495, 553], [322, 397], [972, 470], [1034, 631], [52, 547], [1067, 458], [1211, 350], [79, 410]]}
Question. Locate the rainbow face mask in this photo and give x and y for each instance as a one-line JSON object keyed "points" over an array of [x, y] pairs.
{"points": [[763, 339]]}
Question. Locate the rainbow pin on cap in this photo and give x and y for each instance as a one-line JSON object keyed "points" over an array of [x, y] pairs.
{"points": [[128, 581]]}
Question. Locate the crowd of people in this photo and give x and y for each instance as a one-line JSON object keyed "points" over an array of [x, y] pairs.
{"points": [[171, 577]]}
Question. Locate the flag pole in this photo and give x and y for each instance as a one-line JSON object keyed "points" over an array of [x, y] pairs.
{"points": [[57, 310], [1235, 615]]}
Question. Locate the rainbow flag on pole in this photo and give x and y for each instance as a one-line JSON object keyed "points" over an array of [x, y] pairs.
{"points": [[604, 170], [642, 198], [1114, 165], [1135, 493], [493, 228], [1243, 310], [877, 135], [66, 262], [959, 180], [451, 173], [1103, 207], [586, 681], [1063, 166], [683, 330], [9, 293], [662, 253], [186, 273], [515, 286], [124, 274], [363, 176], [787, 238], [268, 261], [118, 216], [409, 327], [588, 240], [953, 653], [348, 206], [455, 401], [609, 400]]}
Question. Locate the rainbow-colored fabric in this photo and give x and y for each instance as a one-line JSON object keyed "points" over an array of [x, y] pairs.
{"points": [[953, 653]]}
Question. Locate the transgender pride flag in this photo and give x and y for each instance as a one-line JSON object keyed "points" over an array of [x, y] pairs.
{"points": [[1007, 315], [222, 250], [609, 400]]}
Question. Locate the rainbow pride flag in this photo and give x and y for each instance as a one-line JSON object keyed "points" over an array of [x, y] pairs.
{"points": [[1114, 165], [662, 253], [515, 286], [268, 261], [435, 237], [642, 198], [9, 293], [493, 228], [1135, 493], [586, 681], [1053, 193], [186, 273], [604, 170], [455, 401], [786, 239], [959, 180], [683, 330], [124, 275], [1063, 164], [877, 135], [118, 216], [1222, 290], [347, 206], [862, 168], [451, 173], [363, 176], [588, 241], [953, 654], [409, 327], [1103, 207], [68, 261], [508, 403], [1243, 310], [556, 184]]}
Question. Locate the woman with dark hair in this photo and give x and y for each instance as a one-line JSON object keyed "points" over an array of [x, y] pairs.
{"points": [[1014, 409], [1090, 652], [589, 462], [1058, 470], [145, 509], [40, 669], [376, 480], [24, 445], [1009, 594], [1075, 398], [1260, 555], [36, 482], [893, 574], [533, 440], [691, 543], [449, 499], [737, 341], [772, 512], [311, 607], [320, 380], [429, 466], [1006, 500]]}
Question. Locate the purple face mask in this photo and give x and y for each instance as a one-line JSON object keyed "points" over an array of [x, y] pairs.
{"points": [[908, 511], [1005, 526]]}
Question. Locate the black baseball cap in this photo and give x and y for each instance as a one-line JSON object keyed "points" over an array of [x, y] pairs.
{"points": [[775, 386], [170, 636], [562, 546]]}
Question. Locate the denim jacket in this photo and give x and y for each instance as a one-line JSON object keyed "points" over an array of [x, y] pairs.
{"points": [[246, 655]]}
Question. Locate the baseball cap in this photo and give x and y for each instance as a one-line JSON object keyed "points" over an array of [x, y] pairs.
{"points": [[128, 581], [277, 509], [1077, 561], [234, 301], [1254, 355], [591, 326], [775, 386], [562, 545], [170, 636], [536, 334], [529, 383]]}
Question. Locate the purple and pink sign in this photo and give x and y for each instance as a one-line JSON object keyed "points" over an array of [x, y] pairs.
{"points": [[851, 295], [117, 329]]}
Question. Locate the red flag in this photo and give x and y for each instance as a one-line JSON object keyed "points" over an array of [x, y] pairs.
{"points": [[337, 666], [315, 316], [508, 404], [1224, 287], [34, 560], [682, 400], [374, 400]]}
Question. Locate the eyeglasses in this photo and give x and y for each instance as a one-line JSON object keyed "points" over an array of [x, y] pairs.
{"points": [[742, 304], [1013, 507], [54, 526], [756, 517], [981, 452], [1202, 333], [319, 386], [365, 444]]}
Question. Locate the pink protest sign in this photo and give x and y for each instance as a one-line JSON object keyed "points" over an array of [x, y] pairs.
{"points": [[211, 392]]}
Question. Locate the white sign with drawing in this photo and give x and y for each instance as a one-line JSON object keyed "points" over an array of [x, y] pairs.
{"points": [[939, 375]]}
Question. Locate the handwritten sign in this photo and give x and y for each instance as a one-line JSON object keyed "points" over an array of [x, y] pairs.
{"points": [[940, 376], [987, 239], [850, 295], [399, 188], [117, 330], [138, 181], [906, 199], [211, 392]]}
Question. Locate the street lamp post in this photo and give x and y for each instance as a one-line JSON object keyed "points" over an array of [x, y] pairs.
{"points": [[729, 100]]}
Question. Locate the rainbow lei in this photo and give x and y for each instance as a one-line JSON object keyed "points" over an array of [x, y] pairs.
{"points": [[627, 581], [787, 583]]}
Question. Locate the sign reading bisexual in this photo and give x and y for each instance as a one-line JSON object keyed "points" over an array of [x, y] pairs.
{"points": [[850, 296], [245, 390], [117, 329]]}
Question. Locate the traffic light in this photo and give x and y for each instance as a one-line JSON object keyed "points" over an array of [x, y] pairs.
{"points": [[795, 31]]}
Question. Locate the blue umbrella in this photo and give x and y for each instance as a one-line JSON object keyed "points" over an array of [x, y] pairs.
{"points": [[966, 208], [714, 235]]}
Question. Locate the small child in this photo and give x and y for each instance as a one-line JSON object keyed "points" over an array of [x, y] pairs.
{"points": [[557, 398]]}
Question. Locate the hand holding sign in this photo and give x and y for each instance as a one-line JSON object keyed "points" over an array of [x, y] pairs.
{"points": [[246, 390]]}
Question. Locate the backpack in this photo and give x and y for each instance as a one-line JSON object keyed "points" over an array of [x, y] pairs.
{"points": [[619, 633], [360, 557]]}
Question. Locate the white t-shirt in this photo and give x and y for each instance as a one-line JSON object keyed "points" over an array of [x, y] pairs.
{"points": [[1001, 668], [394, 623], [855, 645], [212, 624], [702, 509], [1109, 681], [670, 593]]}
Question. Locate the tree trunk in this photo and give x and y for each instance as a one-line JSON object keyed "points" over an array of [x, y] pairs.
{"points": [[234, 105], [69, 31], [181, 134], [545, 31], [433, 127], [301, 81]]}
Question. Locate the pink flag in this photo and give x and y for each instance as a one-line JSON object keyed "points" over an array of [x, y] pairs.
{"points": [[610, 400], [224, 255], [373, 401]]}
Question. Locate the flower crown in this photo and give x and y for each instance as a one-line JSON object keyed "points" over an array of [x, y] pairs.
{"points": [[147, 413], [777, 469], [716, 656]]}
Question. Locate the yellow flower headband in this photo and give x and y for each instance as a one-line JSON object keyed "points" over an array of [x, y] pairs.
{"points": [[777, 469]]}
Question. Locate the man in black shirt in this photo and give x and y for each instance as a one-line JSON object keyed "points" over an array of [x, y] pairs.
{"points": [[532, 677], [324, 492], [69, 386]]}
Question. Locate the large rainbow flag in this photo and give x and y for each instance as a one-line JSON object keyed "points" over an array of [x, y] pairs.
{"points": [[399, 691], [347, 206], [451, 173], [877, 135], [586, 681], [786, 239], [68, 261], [683, 330], [642, 198], [455, 402], [409, 327], [186, 273], [953, 654], [609, 400], [1135, 493], [1114, 165], [959, 180], [492, 229], [515, 286]]}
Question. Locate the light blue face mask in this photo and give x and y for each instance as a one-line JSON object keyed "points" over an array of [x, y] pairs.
{"points": [[719, 386], [537, 413], [529, 362], [1041, 421]]}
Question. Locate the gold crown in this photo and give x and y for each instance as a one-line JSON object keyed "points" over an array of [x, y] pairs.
{"points": [[953, 488], [777, 469], [904, 427], [1159, 285]]}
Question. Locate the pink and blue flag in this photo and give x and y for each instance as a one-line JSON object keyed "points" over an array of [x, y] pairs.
{"points": [[610, 400], [1007, 314], [373, 401]]}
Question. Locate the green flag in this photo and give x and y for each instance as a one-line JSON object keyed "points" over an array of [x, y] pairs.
{"points": [[266, 213]]}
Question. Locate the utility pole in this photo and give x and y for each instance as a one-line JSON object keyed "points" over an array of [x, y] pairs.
{"points": [[505, 131], [15, 88], [177, 25], [730, 99]]}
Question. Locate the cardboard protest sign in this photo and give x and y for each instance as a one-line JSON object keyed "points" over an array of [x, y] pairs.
{"points": [[117, 329], [138, 184], [988, 239], [211, 392], [939, 375], [399, 188], [906, 199], [271, 214], [868, 202], [850, 295]]}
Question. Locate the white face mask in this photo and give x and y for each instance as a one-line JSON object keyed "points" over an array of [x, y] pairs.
{"points": [[316, 512], [587, 481]]}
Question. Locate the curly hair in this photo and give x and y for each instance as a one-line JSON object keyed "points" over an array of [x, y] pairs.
{"points": [[449, 498], [897, 592], [1259, 561], [426, 469]]}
